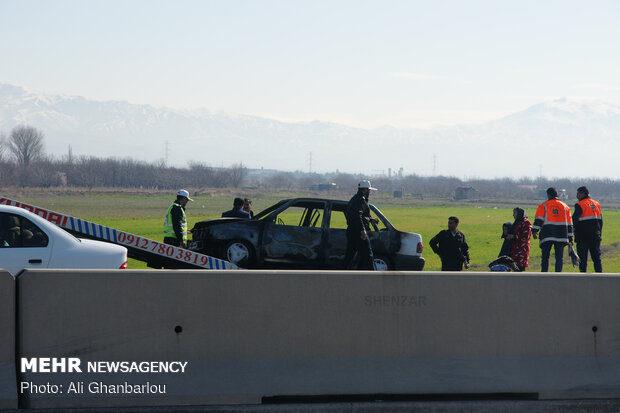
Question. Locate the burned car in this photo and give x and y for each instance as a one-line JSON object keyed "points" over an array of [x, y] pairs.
{"points": [[306, 233]]}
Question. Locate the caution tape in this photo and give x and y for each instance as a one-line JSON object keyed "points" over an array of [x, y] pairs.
{"points": [[125, 239]]}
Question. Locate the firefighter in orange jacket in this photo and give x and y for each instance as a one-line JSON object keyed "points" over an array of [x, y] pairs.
{"points": [[588, 229], [555, 224]]}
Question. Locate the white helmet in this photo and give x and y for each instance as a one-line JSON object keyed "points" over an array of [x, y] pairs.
{"points": [[183, 192], [365, 184]]}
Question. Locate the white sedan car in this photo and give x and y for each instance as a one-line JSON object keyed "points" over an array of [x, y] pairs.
{"points": [[29, 241]]}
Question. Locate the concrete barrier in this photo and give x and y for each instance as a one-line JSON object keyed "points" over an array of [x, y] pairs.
{"points": [[8, 391], [247, 335]]}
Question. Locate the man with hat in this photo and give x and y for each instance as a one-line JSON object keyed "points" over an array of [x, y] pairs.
{"points": [[175, 223], [358, 225], [588, 223]]}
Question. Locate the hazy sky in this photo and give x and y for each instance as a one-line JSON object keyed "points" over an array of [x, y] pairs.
{"points": [[361, 63]]}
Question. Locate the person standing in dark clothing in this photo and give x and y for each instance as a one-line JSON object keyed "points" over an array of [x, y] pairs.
{"points": [[588, 227], [175, 223], [237, 211], [358, 225], [451, 246]]}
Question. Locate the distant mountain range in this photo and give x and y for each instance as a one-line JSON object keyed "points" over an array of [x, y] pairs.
{"points": [[560, 138]]}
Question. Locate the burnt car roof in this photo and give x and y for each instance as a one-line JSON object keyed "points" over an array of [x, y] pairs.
{"points": [[277, 205], [287, 200]]}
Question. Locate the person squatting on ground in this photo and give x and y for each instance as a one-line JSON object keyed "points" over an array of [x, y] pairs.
{"points": [[588, 222], [175, 222], [520, 237], [555, 224], [358, 225], [451, 246], [237, 211]]}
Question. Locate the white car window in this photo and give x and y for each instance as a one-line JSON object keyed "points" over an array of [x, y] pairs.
{"points": [[19, 232]]}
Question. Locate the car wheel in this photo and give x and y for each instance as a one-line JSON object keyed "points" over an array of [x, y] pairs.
{"points": [[239, 252], [382, 263]]}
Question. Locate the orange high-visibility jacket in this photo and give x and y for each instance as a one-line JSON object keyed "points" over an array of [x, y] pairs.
{"points": [[588, 220], [590, 209], [554, 221]]}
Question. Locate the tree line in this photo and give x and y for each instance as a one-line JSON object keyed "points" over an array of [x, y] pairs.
{"points": [[23, 163]]}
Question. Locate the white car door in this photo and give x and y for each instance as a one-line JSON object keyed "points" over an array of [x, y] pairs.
{"points": [[22, 244]]}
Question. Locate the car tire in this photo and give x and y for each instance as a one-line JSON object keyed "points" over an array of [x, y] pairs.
{"points": [[383, 263], [239, 252]]}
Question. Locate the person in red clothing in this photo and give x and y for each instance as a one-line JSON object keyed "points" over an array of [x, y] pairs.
{"points": [[520, 236]]}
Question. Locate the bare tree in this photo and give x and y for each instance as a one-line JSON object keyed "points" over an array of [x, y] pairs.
{"points": [[237, 174], [26, 144], [281, 180]]}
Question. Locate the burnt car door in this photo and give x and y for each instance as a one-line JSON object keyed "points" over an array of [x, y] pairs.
{"points": [[383, 239], [294, 234], [336, 238]]}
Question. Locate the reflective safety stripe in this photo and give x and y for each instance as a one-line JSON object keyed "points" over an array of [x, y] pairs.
{"points": [[588, 218], [553, 239]]}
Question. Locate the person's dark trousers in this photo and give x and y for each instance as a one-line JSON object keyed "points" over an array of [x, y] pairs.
{"points": [[451, 265], [350, 252], [546, 251], [595, 252], [358, 252]]}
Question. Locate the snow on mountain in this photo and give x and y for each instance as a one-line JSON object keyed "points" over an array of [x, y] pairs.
{"points": [[563, 137]]}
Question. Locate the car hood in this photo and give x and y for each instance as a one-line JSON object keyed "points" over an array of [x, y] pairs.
{"points": [[89, 254], [215, 221]]}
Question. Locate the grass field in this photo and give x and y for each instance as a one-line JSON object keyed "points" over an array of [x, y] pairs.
{"points": [[142, 213]]}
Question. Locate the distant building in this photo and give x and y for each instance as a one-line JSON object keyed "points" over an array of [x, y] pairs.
{"points": [[464, 192]]}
